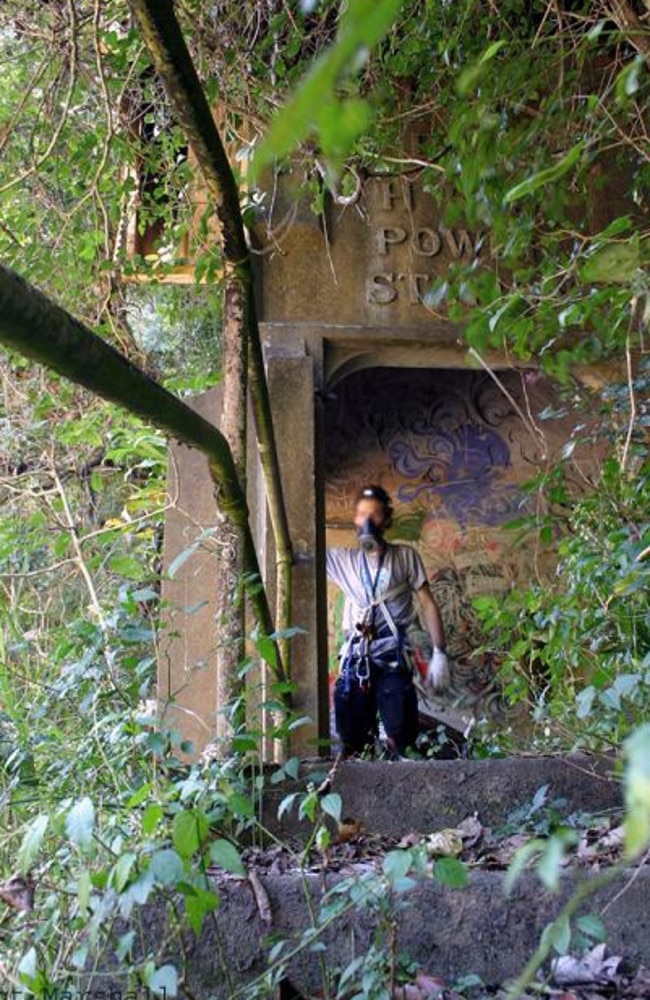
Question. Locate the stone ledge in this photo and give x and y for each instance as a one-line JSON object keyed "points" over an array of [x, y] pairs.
{"points": [[396, 798], [451, 933]]}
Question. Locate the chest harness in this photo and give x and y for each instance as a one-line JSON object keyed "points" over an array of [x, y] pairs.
{"points": [[373, 640]]}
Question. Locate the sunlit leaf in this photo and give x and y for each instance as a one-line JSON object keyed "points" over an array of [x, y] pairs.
{"points": [[546, 176], [80, 822]]}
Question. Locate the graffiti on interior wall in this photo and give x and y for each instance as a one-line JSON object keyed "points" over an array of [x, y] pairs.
{"points": [[452, 450], [459, 471]]}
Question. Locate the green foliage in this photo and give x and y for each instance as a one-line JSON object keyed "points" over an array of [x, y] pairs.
{"points": [[525, 114], [317, 105], [576, 650], [637, 791]]}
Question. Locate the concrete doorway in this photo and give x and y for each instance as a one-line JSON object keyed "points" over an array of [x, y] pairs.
{"points": [[454, 448]]}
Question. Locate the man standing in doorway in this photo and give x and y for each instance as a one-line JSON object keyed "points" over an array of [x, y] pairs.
{"points": [[379, 580]]}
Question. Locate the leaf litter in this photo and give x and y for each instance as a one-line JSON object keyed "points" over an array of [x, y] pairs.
{"points": [[593, 975]]}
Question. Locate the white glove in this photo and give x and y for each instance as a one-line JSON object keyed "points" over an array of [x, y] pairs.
{"points": [[438, 676]]}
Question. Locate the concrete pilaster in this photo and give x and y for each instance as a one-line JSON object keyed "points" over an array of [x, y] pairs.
{"points": [[291, 388]]}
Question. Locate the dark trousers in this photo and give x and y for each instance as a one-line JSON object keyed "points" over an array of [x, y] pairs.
{"points": [[390, 692]]}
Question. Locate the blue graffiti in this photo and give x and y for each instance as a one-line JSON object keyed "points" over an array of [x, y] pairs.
{"points": [[462, 469]]}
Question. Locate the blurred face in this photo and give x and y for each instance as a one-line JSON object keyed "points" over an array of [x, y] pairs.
{"points": [[369, 507]]}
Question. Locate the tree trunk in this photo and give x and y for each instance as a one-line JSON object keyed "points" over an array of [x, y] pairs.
{"points": [[229, 537], [173, 64]]}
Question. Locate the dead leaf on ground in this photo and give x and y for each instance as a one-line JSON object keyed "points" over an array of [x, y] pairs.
{"points": [[424, 987], [18, 892], [471, 830], [410, 840], [444, 843], [501, 853], [348, 829], [593, 968], [613, 840]]}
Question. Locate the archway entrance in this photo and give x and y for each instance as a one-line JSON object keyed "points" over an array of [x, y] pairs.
{"points": [[454, 448]]}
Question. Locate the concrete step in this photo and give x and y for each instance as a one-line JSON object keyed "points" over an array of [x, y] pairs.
{"points": [[478, 930], [395, 798], [451, 933]]}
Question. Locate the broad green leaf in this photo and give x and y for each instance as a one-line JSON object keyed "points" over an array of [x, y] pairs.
{"points": [[628, 80], [613, 263], [592, 926], [139, 796], [451, 872], [122, 870], [396, 865], [84, 886], [241, 805], [80, 822], [546, 176], [151, 817], [267, 649], [323, 838], [167, 867], [189, 830], [126, 565], [584, 701], [332, 804], [557, 936], [124, 945], [363, 24], [308, 806], [27, 966], [286, 803], [226, 855], [31, 843], [164, 981], [198, 903]]}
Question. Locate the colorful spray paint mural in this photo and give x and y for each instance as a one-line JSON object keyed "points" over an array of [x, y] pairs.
{"points": [[453, 451]]}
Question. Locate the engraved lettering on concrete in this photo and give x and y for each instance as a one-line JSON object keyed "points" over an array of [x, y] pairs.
{"points": [[426, 242], [461, 243], [415, 287], [388, 236], [391, 190], [381, 289]]}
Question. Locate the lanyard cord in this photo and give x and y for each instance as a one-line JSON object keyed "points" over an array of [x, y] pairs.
{"points": [[370, 585]]}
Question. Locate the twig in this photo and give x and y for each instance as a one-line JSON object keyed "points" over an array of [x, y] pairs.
{"points": [[261, 897], [630, 882], [630, 389]]}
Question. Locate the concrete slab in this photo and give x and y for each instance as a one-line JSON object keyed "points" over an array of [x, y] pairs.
{"points": [[451, 933], [395, 798]]}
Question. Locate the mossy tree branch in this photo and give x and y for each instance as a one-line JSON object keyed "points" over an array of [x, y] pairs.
{"points": [[38, 328]]}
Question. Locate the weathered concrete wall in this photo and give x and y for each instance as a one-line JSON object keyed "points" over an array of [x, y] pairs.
{"points": [[339, 295], [186, 684], [370, 263], [450, 933]]}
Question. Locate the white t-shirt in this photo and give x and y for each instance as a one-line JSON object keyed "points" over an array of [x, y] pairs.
{"points": [[401, 570]]}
